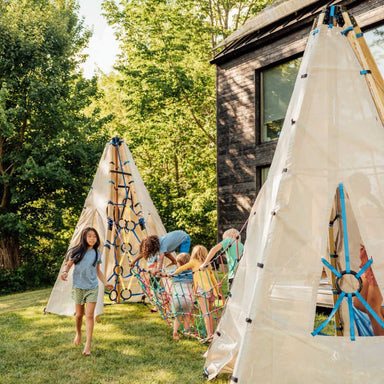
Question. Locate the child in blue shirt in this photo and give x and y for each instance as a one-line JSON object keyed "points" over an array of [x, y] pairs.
{"points": [[153, 249], [87, 259], [182, 296]]}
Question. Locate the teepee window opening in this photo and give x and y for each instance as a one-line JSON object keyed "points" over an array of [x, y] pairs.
{"points": [[352, 277], [276, 87], [375, 41]]}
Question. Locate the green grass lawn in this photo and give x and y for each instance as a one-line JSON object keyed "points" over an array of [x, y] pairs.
{"points": [[130, 345]]}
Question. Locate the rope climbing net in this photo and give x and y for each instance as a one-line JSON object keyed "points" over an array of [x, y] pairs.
{"points": [[194, 311], [179, 300]]}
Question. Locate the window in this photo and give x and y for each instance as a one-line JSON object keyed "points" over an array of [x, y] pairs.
{"points": [[276, 87], [375, 41], [264, 174], [261, 175]]}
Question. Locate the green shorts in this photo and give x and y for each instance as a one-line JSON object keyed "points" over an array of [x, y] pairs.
{"points": [[82, 296]]}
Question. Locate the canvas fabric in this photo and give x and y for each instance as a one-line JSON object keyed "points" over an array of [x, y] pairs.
{"points": [[95, 215], [332, 134]]}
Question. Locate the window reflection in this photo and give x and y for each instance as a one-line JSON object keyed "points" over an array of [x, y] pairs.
{"points": [[375, 41], [264, 174], [277, 86], [276, 89]]}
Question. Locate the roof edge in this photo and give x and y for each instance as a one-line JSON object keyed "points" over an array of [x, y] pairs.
{"points": [[268, 15]]}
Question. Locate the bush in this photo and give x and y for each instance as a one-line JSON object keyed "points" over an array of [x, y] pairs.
{"points": [[30, 275], [12, 281]]}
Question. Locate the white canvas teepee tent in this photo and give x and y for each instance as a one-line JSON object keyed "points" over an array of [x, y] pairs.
{"points": [[332, 136], [119, 207]]}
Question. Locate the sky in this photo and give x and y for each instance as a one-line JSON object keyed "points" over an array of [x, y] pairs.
{"points": [[103, 47]]}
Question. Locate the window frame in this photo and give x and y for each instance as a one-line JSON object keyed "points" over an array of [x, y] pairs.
{"points": [[259, 92], [259, 175]]}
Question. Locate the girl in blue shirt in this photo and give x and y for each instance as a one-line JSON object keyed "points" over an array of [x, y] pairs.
{"points": [[153, 249], [87, 259]]}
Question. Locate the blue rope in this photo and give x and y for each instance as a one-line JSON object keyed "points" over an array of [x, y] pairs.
{"points": [[370, 310], [334, 270], [122, 170], [324, 324], [331, 15], [365, 267]]}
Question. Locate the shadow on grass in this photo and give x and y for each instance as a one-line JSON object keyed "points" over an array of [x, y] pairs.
{"points": [[130, 345]]}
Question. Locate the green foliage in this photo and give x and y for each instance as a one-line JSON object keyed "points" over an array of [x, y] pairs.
{"points": [[52, 120], [165, 108], [329, 329], [49, 145], [164, 101], [12, 281]]}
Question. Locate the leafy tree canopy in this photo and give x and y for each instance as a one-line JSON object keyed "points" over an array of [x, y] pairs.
{"points": [[163, 99], [49, 148]]}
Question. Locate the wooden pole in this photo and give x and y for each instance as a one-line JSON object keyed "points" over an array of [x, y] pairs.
{"points": [[110, 214], [373, 77], [134, 200], [115, 186], [333, 261]]}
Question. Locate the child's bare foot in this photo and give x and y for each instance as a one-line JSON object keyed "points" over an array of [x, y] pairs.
{"points": [[77, 339], [175, 336], [206, 340], [87, 351]]}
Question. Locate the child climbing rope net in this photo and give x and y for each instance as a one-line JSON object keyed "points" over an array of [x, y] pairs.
{"points": [[190, 301]]}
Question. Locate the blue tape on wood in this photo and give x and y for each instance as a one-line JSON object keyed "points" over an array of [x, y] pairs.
{"points": [[345, 32]]}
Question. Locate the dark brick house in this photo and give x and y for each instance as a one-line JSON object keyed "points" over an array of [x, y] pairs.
{"points": [[255, 75]]}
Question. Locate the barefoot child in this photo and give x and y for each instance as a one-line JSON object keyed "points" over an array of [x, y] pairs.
{"points": [[182, 296], [204, 285], [87, 259], [154, 249]]}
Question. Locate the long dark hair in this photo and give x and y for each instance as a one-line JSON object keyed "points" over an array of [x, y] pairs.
{"points": [[78, 251]]}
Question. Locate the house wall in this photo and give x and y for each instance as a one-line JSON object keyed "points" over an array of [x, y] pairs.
{"points": [[240, 155]]}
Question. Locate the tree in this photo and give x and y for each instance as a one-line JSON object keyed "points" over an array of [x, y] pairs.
{"points": [[226, 16], [166, 100], [48, 146]]}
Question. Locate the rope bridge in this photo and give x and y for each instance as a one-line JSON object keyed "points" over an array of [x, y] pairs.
{"points": [[175, 299], [173, 296]]}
